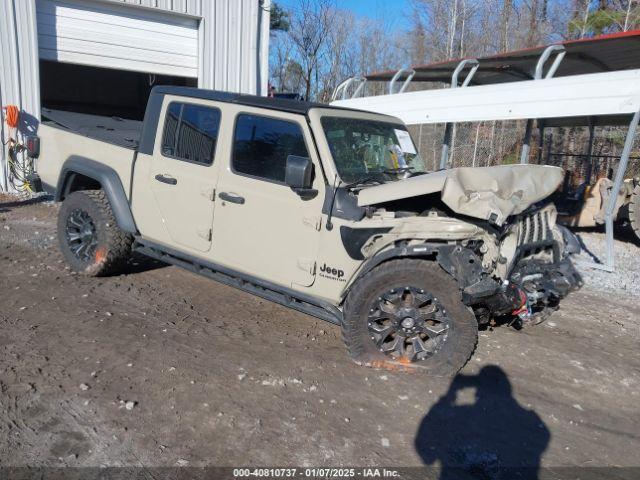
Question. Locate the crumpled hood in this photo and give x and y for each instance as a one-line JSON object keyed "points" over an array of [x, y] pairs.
{"points": [[489, 193]]}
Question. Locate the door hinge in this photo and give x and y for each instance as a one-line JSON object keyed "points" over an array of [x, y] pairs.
{"points": [[307, 265], [206, 234], [210, 193], [313, 222]]}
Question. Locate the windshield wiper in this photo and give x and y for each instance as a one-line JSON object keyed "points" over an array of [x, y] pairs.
{"points": [[376, 179], [363, 182], [397, 170]]}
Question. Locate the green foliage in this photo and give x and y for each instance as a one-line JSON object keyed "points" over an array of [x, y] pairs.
{"points": [[511, 159], [598, 22], [279, 19]]}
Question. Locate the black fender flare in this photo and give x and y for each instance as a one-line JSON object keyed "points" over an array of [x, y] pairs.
{"points": [[423, 250], [461, 264], [108, 179]]}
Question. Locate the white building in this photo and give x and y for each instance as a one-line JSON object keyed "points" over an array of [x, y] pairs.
{"points": [[103, 56]]}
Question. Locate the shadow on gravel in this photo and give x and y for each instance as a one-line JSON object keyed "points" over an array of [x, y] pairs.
{"points": [[7, 206], [139, 263], [488, 435], [621, 232], [583, 246]]}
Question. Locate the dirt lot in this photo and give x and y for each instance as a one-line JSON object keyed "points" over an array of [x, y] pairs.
{"points": [[160, 367]]}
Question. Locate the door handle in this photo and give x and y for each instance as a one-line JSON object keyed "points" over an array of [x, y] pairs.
{"points": [[166, 179], [227, 197]]}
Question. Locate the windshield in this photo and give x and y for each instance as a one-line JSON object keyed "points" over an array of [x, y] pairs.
{"points": [[369, 151]]}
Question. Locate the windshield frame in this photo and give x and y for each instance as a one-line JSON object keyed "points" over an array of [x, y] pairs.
{"points": [[315, 119]]}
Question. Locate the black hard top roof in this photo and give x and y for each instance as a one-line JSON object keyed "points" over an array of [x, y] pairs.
{"points": [[281, 104], [154, 106]]}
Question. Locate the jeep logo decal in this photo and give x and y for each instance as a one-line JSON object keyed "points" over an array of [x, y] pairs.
{"points": [[332, 273]]}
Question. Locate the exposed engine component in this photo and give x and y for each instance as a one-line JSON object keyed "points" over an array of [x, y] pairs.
{"points": [[538, 276]]}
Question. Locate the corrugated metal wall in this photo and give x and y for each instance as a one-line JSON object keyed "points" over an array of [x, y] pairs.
{"points": [[19, 80], [233, 38], [109, 35], [188, 7], [227, 48]]}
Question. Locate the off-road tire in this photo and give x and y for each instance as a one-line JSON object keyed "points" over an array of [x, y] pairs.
{"points": [[462, 336], [634, 211], [113, 246]]}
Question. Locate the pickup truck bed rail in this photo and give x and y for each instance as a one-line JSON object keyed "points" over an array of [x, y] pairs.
{"points": [[115, 130]]}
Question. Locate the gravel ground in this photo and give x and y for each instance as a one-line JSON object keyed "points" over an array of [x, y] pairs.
{"points": [[626, 278], [159, 367]]}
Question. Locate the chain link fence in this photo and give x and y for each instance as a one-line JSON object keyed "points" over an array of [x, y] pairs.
{"points": [[481, 144]]}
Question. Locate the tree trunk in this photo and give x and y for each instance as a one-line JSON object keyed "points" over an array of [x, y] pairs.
{"points": [[504, 25], [532, 39]]}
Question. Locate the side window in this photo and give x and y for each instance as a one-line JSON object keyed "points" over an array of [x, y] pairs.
{"points": [[190, 132], [261, 146]]}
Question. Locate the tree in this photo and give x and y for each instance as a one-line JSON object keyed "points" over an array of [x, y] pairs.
{"points": [[309, 32], [603, 16], [278, 19]]}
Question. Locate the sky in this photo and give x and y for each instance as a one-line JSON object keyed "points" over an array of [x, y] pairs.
{"points": [[374, 9]]}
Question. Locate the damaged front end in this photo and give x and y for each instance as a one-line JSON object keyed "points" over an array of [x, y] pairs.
{"points": [[490, 228], [532, 273], [515, 273]]}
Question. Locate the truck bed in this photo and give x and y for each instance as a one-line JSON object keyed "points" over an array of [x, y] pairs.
{"points": [[110, 141], [115, 130]]}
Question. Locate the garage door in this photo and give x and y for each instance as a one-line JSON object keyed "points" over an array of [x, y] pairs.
{"points": [[117, 37]]}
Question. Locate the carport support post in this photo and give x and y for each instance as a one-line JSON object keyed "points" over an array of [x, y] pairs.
{"points": [[592, 136], [617, 184], [526, 144], [539, 73], [444, 155], [541, 127]]}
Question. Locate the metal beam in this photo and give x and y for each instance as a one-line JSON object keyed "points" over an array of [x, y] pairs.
{"points": [[341, 90], [526, 143], [544, 57], [609, 264], [410, 74], [550, 50], [597, 94], [592, 137]]}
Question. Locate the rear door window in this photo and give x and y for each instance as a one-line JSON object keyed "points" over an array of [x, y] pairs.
{"points": [[261, 146], [191, 132]]}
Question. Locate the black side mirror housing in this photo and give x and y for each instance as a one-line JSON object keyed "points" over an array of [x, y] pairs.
{"points": [[299, 176]]}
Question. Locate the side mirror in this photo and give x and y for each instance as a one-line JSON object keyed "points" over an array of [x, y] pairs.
{"points": [[299, 176]]}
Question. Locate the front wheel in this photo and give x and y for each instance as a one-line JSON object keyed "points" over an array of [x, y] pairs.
{"points": [[409, 313], [89, 237]]}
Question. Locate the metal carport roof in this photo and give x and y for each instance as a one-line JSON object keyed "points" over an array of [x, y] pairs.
{"points": [[605, 53]]}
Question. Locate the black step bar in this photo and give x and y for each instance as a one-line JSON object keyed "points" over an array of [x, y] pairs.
{"points": [[267, 290]]}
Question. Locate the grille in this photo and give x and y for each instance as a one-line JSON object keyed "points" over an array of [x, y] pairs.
{"points": [[535, 228]]}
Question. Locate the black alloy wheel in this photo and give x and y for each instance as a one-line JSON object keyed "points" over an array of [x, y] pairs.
{"points": [[80, 234], [408, 323], [90, 239]]}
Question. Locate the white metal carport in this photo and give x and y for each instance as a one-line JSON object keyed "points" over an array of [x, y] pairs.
{"points": [[611, 93], [611, 97]]}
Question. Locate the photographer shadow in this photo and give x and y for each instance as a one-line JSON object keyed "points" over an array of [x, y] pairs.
{"points": [[486, 436]]}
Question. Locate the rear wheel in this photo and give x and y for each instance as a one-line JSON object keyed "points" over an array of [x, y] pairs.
{"points": [[409, 313], [89, 237], [634, 211]]}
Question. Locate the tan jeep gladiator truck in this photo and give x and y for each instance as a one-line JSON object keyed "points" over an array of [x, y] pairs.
{"points": [[325, 210]]}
